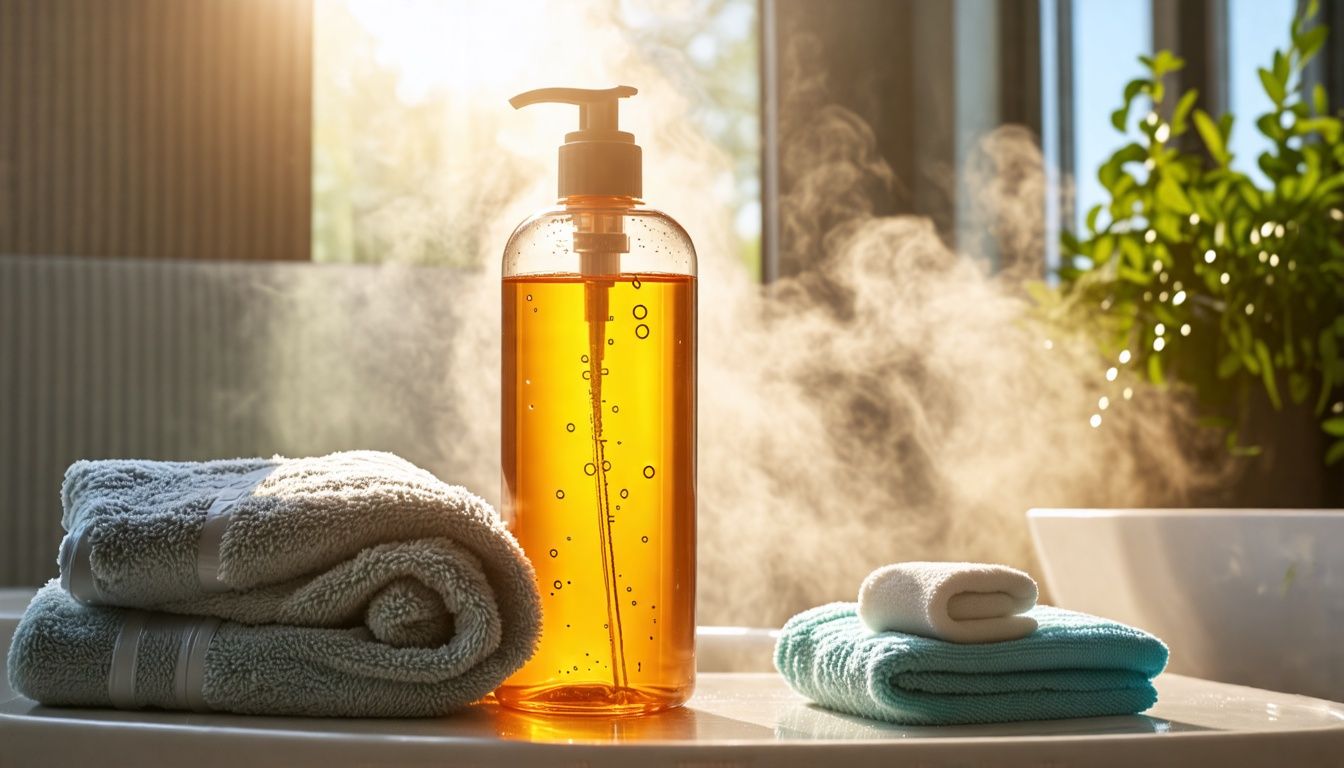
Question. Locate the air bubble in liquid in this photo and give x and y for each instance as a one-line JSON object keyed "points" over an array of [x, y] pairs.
{"points": [[557, 584], [606, 466], [559, 494], [642, 331], [615, 409], [583, 359], [569, 427], [644, 539], [629, 589], [625, 493], [648, 472], [640, 312], [635, 284], [529, 297], [555, 553], [589, 469]]}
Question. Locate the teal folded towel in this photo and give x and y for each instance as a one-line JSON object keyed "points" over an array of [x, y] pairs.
{"points": [[1073, 665]]}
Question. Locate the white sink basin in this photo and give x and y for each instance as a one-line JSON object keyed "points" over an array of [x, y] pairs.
{"points": [[1242, 595]]}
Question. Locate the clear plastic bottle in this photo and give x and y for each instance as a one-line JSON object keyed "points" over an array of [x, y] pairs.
{"points": [[599, 310]]}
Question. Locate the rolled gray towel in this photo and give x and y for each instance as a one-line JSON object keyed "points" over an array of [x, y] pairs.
{"points": [[420, 577], [67, 653]]}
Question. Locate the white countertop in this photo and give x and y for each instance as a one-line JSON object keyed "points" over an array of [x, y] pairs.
{"points": [[733, 719]]}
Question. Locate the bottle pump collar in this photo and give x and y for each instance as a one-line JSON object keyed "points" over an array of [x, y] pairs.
{"points": [[599, 158]]}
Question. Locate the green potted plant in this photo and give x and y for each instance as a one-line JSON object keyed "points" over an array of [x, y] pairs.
{"points": [[1194, 271]]}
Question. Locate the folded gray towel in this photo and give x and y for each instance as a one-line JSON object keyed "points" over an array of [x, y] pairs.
{"points": [[419, 577], [66, 653]]}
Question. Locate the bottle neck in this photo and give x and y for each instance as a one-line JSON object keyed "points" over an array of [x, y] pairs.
{"points": [[590, 202]]}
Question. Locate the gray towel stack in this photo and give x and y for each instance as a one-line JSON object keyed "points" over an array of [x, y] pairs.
{"points": [[355, 584]]}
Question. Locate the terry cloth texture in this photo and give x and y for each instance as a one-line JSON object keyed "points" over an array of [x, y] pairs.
{"points": [[1073, 665], [956, 602], [360, 562]]}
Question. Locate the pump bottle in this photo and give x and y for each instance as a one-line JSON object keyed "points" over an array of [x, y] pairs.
{"points": [[598, 440]]}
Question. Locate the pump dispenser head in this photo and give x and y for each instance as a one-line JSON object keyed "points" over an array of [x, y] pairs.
{"points": [[597, 159]]}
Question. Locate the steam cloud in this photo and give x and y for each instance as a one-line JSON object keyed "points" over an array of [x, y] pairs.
{"points": [[894, 402]]}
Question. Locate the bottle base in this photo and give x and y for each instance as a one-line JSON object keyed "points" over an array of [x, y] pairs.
{"points": [[591, 699]]}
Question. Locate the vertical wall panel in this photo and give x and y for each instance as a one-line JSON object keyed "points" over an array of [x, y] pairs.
{"points": [[156, 128]]}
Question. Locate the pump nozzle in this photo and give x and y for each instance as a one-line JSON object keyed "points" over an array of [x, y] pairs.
{"points": [[599, 158]]}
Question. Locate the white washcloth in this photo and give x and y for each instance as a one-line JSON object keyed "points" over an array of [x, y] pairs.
{"points": [[956, 602]]}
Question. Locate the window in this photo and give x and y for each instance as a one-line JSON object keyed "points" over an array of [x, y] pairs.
{"points": [[418, 157], [1107, 40]]}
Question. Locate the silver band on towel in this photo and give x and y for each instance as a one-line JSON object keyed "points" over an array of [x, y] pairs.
{"points": [[125, 654], [191, 634], [77, 567], [76, 548], [189, 673], [217, 520]]}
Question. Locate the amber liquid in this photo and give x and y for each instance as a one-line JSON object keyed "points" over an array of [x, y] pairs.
{"points": [[599, 485]]}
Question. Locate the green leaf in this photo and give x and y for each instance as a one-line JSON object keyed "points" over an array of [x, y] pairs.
{"points": [[1213, 139], [1163, 62], [1320, 100], [1310, 44], [1298, 387], [1329, 352], [1334, 426], [1155, 370], [1092, 217], [1269, 125], [1119, 117], [1335, 453], [1281, 68], [1274, 88], [1229, 365], [1171, 196], [1267, 373], [1182, 111], [1134, 88]]}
